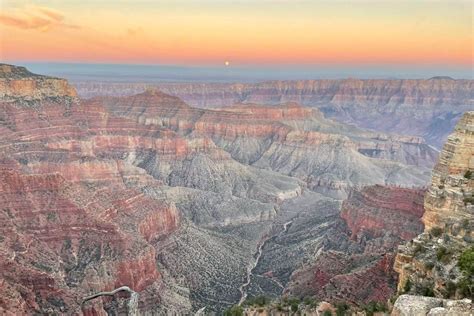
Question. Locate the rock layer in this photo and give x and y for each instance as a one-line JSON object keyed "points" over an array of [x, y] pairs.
{"points": [[143, 191], [428, 108], [356, 267], [428, 263]]}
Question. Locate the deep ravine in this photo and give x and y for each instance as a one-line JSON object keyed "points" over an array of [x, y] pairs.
{"points": [[253, 265]]}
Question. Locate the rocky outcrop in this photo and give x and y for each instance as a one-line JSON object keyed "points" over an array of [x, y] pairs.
{"points": [[447, 201], [410, 305], [428, 108], [19, 85], [378, 210], [429, 263]]}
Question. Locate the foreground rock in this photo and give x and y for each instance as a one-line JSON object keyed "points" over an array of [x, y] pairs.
{"points": [[410, 305], [429, 264]]}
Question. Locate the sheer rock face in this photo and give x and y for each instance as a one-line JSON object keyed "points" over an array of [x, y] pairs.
{"points": [[445, 201], [17, 83], [377, 210], [428, 108], [448, 219], [74, 220], [357, 268]]}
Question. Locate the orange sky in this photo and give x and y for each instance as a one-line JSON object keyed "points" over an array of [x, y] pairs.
{"points": [[244, 32]]}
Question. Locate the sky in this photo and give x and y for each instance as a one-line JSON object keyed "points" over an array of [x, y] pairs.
{"points": [[388, 34]]}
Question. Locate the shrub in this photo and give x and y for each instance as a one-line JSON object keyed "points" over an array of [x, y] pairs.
{"points": [[294, 306], [427, 291], [450, 289], [341, 309], [374, 307], [234, 311], [443, 254], [327, 313], [466, 286], [468, 200], [418, 248], [468, 174], [436, 231], [407, 286], [51, 216], [466, 261], [257, 300], [310, 301], [429, 265]]}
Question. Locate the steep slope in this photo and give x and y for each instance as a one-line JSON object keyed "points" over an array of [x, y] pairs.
{"points": [[428, 108], [290, 139], [428, 265], [71, 169], [356, 266]]}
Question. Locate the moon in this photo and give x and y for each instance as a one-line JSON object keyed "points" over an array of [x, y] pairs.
{"points": [[227, 63]]}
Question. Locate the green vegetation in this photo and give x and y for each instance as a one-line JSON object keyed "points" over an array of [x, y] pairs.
{"points": [[310, 301], [234, 311], [342, 309], [279, 307], [465, 223], [466, 265], [418, 248], [327, 313], [294, 306], [407, 286], [427, 291], [468, 174], [466, 286], [466, 261], [468, 200], [374, 307], [257, 301], [51, 216], [436, 231], [429, 265], [443, 254], [450, 289]]}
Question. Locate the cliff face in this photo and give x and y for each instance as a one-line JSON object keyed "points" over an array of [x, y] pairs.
{"points": [[377, 210], [356, 267], [289, 139], [428, 263], [427, 108], [18, 84]]}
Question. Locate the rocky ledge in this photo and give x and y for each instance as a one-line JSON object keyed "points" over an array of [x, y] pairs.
{"points": [[439, 261]]}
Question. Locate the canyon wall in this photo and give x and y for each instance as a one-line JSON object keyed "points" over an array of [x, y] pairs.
{"points": [[356, 267], [427, 108], [428, 264]]}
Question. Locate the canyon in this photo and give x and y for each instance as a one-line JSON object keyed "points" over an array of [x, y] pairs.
{"points": [[193, 207], [428, 108]]}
